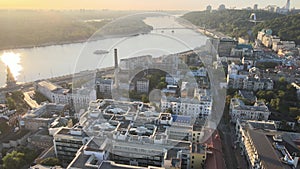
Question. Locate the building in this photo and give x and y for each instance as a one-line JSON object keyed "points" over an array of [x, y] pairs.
{"points": [[142, 85], [238, 110], [259, 142], [297, 86], [255, 83], [243, 40], [42, 116], [201, 72], [104, 87], [225, 46], [67, 141], [235, 81], [136, 134], [198, 156], [255, 7], [242, 50], [283, 45], [185, 106], [46, 88], [56, 94]]}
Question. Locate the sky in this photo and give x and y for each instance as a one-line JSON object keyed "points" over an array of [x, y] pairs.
{"points": [[139, 4]]}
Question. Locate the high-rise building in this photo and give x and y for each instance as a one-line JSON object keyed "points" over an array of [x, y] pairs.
{"points": [[255, 7]]}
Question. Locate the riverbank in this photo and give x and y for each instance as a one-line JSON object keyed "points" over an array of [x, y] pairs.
{"points": [[91, 39]]}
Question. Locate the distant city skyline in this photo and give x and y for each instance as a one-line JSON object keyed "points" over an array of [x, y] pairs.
{"points": [[139, 4]]}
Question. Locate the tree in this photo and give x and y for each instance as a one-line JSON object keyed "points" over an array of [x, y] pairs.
{"points": [[51, 161], [275, 103], [14, 160], [145, 98], [161, 85], [11, 103]]}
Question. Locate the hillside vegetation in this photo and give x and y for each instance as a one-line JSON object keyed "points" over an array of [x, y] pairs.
{"points": [[235, 23], [27, 28]]}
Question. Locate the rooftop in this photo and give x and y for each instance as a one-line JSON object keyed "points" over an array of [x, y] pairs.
{"points": [[50, 86], [265, 151], [113, 165]]}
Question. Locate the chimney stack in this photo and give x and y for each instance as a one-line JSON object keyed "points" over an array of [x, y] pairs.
{"points": [[116, 58]]}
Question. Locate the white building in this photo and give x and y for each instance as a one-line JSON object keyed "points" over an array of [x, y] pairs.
{"points": [[142, 86], [238, 110], [186, 106], [57, 94], [104, 86]]}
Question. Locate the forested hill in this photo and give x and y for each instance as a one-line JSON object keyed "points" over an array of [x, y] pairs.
{"points": [[235, 23], [287, 27], [27, 28]]}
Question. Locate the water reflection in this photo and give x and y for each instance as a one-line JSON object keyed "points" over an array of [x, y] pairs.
{"points": [[13, 61]]}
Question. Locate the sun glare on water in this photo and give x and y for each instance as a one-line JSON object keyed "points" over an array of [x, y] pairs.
{"points": [[12, 60]]}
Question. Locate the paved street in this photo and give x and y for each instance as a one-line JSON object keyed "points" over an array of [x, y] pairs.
{"points": [[233, 158]]}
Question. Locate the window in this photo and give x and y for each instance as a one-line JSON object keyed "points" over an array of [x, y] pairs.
{"points": [[193, 157]]}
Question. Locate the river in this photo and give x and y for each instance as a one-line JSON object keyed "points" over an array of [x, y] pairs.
{"points": [[57, 60]]}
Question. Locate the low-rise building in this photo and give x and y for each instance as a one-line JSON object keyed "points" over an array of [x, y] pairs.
{"points": [[56, 94], [258, 141], [283, 44], [42, 116], [238, 110], [255, 83], [185, 106]]}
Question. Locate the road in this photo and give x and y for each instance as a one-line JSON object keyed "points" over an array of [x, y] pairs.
{"points": [[227, 142]]}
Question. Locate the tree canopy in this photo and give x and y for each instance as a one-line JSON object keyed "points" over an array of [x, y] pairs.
{"points": [[14, 160], [235, 23]]}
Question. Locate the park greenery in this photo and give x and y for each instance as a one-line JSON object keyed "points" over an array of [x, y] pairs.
{"points": [[19, 158], [28, 28], [236, 23], [156, 79], [282, 99], [15, 101]]}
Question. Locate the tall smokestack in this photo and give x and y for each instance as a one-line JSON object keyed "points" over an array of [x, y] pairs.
{"points": [[116, 58]]}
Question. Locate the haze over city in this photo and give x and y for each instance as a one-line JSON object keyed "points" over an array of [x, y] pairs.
{"points": [[138, 4]]}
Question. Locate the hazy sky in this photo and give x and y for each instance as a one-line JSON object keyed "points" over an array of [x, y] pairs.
{"points": [[139, 4]]}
